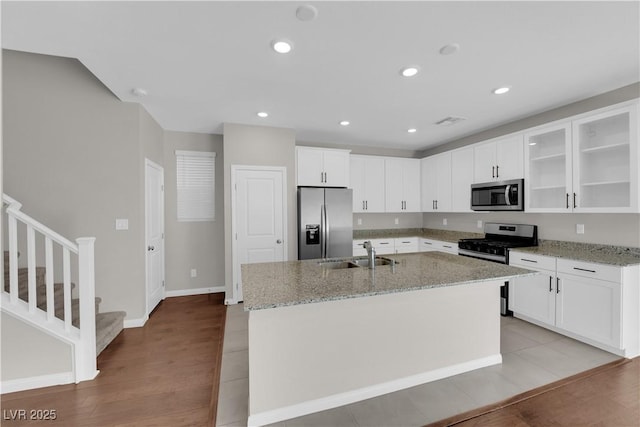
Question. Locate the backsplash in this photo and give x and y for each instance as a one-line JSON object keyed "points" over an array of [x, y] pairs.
{"points": [[605, 229], [376, 221]]}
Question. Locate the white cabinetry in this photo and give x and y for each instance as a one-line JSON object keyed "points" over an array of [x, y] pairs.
{"points": [[382, 246], [320, 167], [589, 164], [435, 173], [430, 245], [402, 184], [595, 303], [498, 160], [367, 181], [403, 245], [461, 179]]}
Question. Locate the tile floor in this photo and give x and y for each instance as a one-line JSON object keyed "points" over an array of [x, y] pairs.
{"points": [[532, 357]]}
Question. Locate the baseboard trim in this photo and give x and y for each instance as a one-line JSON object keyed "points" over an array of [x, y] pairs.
{"points": [[330, 402], [198, 291], [135, 323], [21, 384]]}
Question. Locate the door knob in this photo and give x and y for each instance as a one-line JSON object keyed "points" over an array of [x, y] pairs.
{"points": [[278, 241], [151, 248]]}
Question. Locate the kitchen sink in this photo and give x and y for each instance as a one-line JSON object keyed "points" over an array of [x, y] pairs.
{"points": [[354, 263], [364, 262]]}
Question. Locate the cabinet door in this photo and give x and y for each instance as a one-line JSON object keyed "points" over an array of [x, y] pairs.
{"points": [[548, 181], [427, 245], [509, 158], [461, 179], [357, 182], [394, 196], [484, 162], [589, 307], [429, 183], [534, 297], [605, 162], [309, 167], [336, 168], [411, 185], [443, 188], [374, 184]]}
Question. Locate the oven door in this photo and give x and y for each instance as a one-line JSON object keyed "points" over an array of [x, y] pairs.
{"points": [[498, 196]]}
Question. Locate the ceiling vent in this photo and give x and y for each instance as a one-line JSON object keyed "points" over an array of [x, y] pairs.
{"points": [[451, 120]]}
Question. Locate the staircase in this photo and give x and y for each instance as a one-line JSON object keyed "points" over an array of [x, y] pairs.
{"points": [[46, 298], [108, 325]]}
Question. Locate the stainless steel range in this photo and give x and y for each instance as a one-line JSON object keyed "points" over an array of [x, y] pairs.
{"points": [[498, 238]]}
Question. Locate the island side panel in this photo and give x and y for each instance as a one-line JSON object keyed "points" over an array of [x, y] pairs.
{"points": [[311, 357]]}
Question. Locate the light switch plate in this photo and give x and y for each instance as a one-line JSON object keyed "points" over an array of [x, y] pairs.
{"points": [[396, 221], [194, 272], [479, 224], [444, 221], [580, 228], [122, 224], [359, 221]]}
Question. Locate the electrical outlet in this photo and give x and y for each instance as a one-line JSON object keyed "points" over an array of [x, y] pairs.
{"points": [[194, 272], [359, 221], [122, 224], [396, 221], [444, 221], [479, 223], [580, 228]]}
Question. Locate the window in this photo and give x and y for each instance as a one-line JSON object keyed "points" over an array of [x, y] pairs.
{"points": [[196, 185]]}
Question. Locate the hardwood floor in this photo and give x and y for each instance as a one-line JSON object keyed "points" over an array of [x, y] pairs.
{"points": [[605, 396], [164, 374]]}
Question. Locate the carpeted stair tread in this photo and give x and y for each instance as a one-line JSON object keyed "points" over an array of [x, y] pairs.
{"points": [[108, 326]]}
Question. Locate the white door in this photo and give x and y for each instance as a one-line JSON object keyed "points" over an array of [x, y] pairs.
{"points": [[259, 208], [154, 232]]}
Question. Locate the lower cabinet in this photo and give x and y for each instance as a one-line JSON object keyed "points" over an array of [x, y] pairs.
{"points": [[595, 303], [429, 245], [405, 245], [402, 245]]}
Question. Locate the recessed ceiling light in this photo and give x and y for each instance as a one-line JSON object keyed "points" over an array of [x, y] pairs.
{"points": [[306, 13], [501, 90], [345, 123], [412, 130], [263, 114], [449, 49], [282, 46], [409, 71], [532, 143], [138, 91]]}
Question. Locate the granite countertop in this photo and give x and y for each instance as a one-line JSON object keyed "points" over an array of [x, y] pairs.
{"points": [[588, 252], [279, 284], [427, 233]]}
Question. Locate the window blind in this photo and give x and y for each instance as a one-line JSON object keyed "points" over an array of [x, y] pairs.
{"points": [[196, 185]]}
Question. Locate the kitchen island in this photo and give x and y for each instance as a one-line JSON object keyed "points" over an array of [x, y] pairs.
{"points": [[322, 337]]}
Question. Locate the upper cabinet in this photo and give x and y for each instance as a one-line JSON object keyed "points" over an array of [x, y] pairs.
{"points": [[402, 184], [586, 165], [435, 172], [367, 182], [498, 160], [461, 179], [321, 167]]}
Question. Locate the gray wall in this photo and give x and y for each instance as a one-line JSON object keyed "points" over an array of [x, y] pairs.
{"points": [[614, 229], [377, 221], [198, 245], [23, 347], [259, 146]]}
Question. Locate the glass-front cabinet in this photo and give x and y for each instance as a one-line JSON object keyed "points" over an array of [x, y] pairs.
{"points": [[548, 169], [589, 164], [605, 171]]}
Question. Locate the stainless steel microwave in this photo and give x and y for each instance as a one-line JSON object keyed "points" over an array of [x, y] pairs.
{"points": [[498, 196]]}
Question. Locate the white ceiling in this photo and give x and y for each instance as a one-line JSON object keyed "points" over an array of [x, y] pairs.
{"points": [[207, 63]]}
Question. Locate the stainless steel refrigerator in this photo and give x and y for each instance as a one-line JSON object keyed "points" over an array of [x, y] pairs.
{"points": [[325, 222]]}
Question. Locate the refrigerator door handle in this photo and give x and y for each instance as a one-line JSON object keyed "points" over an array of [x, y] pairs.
{"points": [[327, 232], [323, 231]]}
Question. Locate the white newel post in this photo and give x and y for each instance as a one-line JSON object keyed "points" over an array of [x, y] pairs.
{"points": [[85, 355]]}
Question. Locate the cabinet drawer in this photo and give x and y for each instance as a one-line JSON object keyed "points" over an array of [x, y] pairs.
{"points": [[531, 261], [609, 273], [406, 241]]}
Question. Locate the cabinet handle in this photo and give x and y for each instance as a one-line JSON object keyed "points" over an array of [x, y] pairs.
{"points": [[433, 205], [436, 205], [363, 205], [383, 243], [574, 201], [584, 269], [497, 171], [445, 246], [567, 200], [557, 285], [366, 204], [550, 288], [321, 176], [427, 243], [529, 260], [493, 171]]}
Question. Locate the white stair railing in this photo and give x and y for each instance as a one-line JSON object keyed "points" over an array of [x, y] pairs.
{"points": [[82, 338]]}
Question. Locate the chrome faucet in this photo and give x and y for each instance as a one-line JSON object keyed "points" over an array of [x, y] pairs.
{"points": [[371, 254]]}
